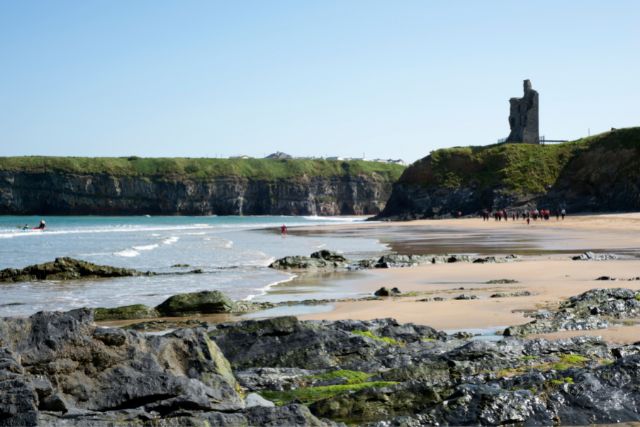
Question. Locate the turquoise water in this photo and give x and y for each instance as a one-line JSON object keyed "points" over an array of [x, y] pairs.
{"points": [[233, 252]]}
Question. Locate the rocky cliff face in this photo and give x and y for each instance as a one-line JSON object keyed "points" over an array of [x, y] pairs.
{"points": [[600, 173], [32, 192]]}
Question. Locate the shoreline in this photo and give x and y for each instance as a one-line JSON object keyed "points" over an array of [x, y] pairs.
{"points": [[550, 276]]}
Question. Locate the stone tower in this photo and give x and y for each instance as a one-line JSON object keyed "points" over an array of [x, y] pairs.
{"points": [[523, 117]]}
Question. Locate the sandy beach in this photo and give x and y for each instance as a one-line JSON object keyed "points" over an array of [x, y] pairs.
{"points": [[545, 270]]}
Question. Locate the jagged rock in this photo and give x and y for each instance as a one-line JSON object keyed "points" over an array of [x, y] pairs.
{"points": [[204, 302], [286, 342], [76, 367], [589, 310], [384, 292], [65, 268], [591, 256]]}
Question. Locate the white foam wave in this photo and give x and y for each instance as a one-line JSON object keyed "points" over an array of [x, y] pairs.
{"points": [[170, 240], [265, 289], [145, 247], [335, 218], [129, 253], [112, 229]]}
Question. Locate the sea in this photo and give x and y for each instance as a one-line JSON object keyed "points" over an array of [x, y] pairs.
{"points": [[233, 253]]}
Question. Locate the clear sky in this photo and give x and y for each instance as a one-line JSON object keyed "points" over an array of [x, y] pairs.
{"points": [[331, 77]]}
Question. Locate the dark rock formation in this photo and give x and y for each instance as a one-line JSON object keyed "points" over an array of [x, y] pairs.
{"points": [[327, 260], [60, 369], [321, 260], [385, 292], [65, 269], [523, 117], [593, 309], [404, 375], [62, 193]]}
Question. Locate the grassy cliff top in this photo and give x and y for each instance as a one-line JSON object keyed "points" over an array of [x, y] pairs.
{"points": [[522, 168], [201, 168]]}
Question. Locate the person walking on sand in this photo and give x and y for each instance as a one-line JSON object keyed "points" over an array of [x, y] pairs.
{"points": [[283, 230], [563, 213]]}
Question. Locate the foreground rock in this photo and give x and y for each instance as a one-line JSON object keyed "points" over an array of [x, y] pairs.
{"points": [[594, 309], [65, 269], [382, 373], [60, 369]]}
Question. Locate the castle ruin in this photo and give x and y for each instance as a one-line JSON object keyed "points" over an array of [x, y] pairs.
{"points": [[523, 117]]}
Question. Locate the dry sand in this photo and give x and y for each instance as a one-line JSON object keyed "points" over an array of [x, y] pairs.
{"points": [[551, 277]]}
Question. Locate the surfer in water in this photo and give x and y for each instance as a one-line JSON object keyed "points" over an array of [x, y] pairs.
{"points": [[41, 226]]}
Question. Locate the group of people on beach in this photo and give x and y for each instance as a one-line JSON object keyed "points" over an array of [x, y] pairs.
{"points": [[527, 215]]}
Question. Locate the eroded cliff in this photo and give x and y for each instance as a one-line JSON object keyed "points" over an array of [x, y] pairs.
{"points": [[134, 186]]}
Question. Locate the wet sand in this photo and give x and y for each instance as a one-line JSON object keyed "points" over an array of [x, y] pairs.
{"points": [[545, 270]]}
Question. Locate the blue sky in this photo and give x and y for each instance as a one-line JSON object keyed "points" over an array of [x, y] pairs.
{"points": [[345, 77]]}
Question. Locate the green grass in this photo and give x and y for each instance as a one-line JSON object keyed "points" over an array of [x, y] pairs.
{"points": [[386, 340], [308, 395], [522, 168], [568, 361], [349, 377], [201, 168], [561, 381]]}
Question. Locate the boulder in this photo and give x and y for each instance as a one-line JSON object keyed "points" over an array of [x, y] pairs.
{"points": [[205, 302]]}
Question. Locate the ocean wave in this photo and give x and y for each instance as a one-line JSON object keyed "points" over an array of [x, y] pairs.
{"points": [[128, 253], [265, 289], [146, 247], [91, 230], [334, 218], [170, 240]]}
